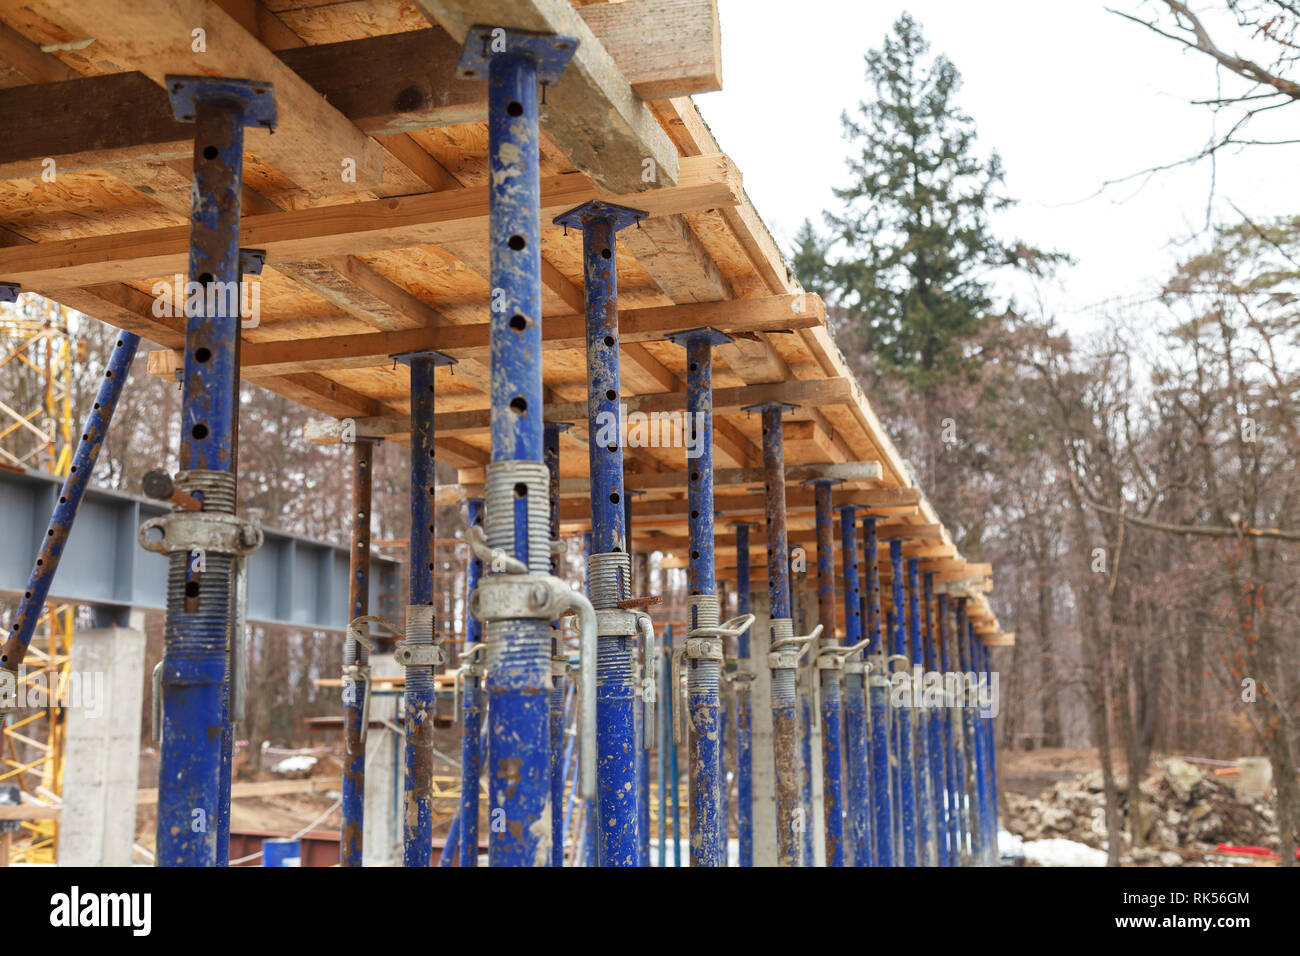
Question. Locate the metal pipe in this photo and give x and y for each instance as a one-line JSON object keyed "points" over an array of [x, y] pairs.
{"points": [[703, 649], [421, 650], [610, 584], [828, 678], [906, 743], [934, 732], [250, 263], [471, 715], [518, 676], [785, 721], [451, 848], [65, 511], [356, 662], [856, 749], [985, 852], [665, 735], [950, 776], [878, 699], [559, 659], [926, 852], [744, 708], [961, 749], [203, 547]]}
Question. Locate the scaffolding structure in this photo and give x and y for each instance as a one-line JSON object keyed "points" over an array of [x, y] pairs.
{"points": [[501, 234]]}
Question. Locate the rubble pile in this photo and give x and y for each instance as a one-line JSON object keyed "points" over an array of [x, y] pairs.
{"points": [[1183, 813]]}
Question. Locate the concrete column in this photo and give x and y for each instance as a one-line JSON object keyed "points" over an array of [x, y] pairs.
{"points": [[101, 772], [381, 832]]}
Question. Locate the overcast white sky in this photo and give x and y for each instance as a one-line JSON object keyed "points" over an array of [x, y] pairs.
{"points": [[1069, 94]]}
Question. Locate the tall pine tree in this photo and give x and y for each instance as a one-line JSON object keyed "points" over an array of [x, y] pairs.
{"points": [[914, 243]]}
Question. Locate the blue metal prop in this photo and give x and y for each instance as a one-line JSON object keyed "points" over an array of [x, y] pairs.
{"points": [[829, 690], [356, 662], [927, 854], [856, 749], [703, 673], [906, 747], [519, 663], [878, 695], [201, 584], [419, 693], [619, 841], [934, 732]]}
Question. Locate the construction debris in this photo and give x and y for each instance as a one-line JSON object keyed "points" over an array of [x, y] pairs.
{"points": [[1184, 814]]}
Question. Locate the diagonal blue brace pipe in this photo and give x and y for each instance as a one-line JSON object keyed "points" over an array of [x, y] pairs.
{"points": [[29, 609], [618, 839], [201, 577]]}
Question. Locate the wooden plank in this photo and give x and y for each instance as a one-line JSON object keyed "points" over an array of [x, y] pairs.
{"points": [[350, 229], [592, 112], [634, 32], [312, 139]]}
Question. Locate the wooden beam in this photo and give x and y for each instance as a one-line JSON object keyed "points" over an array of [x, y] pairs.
{"points": [[385, 85], [312, 139], [464, 342], [731, 505], [722, 478], [163, 364], [349, 229], [592, 112]]}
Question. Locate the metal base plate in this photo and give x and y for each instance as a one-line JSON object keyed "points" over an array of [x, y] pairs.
{"points": [[257, 98], [438, 358], [594, 210], [710, 335], [550, 51], [764, 406]]}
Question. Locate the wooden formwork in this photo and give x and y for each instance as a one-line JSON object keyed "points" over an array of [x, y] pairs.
{"points": [[370, 199]]}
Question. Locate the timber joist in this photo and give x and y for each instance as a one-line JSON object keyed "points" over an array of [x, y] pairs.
{"points": [[371, 201]]}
